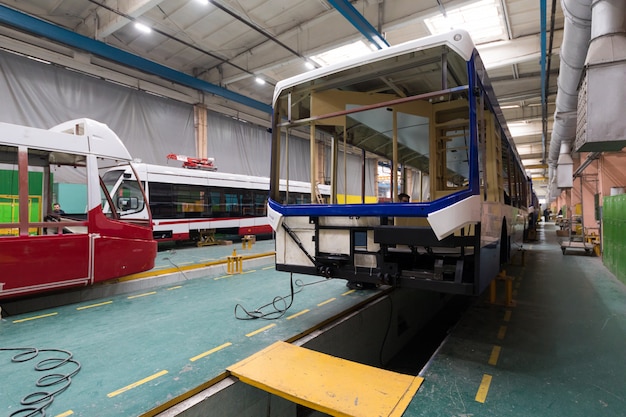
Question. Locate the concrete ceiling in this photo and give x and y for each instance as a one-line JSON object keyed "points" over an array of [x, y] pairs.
{"points": [[218, 49]]}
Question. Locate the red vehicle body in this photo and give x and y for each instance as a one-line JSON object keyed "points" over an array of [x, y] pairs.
{"points": [[87, 243]]}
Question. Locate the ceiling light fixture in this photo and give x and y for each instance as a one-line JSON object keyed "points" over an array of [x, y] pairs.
{"points": [[259, 80], [309, 65], [142, 28]]}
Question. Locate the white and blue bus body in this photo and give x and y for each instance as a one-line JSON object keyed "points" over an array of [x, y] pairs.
{"points": [[427, 110]]}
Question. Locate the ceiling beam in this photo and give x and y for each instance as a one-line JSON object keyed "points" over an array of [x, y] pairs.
{"points": [[109, 22], [524, 49], [359, 22]]}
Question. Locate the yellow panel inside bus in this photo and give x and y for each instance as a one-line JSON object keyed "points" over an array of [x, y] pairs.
{"points": [[450, 143]]}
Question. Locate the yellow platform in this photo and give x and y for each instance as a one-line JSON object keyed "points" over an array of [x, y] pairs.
{"points": [[326, 383]]}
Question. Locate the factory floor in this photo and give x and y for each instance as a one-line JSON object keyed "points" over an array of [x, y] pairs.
{"points": [[559, 350], [136, 351]]}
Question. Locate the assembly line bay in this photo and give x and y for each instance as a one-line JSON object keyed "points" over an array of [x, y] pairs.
{"points": [[558, 351], [139, 350]]}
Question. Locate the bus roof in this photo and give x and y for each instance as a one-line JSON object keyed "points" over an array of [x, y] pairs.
{"points": [[457, 40]]}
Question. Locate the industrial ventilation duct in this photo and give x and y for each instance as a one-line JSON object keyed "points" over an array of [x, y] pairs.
{"points": [[601, 105], [576, 34]]}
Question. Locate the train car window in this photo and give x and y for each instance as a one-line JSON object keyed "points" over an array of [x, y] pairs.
{"points": [[232, 202], [162, 200], [247, 202], [190, 200]]}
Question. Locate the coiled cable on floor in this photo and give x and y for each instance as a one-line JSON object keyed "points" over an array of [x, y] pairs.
{"points": [[279, 303], [36, 403]]}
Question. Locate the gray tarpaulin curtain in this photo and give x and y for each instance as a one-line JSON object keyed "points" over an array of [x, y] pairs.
{"points": [[42, 95], [37, 94], [243, 148]]}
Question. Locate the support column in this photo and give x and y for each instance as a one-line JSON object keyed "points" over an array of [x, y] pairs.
{"points": [[394, 162], [313, 162], [200, 127]]}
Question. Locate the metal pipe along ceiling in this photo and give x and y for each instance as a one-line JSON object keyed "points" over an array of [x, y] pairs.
{"points": [[576, 35]]}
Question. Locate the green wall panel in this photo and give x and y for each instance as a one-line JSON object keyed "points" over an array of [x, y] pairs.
{"points": [[614, 230], [9, 207]]}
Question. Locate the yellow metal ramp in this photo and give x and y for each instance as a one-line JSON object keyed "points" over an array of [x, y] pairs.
{"points": [[326, 383]]}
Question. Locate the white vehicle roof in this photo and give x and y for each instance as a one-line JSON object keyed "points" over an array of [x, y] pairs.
{"points": [[102, 140], [458, 40], [80, 136], [176, 175]]}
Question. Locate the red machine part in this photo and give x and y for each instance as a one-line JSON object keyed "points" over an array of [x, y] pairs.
{"points": [[194, 163]]}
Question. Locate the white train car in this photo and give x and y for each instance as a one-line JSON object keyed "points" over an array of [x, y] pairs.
{"points": [[190, 204]]}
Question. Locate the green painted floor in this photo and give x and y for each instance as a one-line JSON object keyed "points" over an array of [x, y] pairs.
{"points": [[137, 351], [171, 256], [561, 351]]}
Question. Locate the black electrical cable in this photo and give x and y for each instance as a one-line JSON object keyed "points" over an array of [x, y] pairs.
{"points": [[36, 403], [279, 303], [168, 258]]}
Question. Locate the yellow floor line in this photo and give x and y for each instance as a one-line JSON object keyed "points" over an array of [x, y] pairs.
{"points": [[293, 316], [326, 302], [269, 267], [94, 305], [495, 354], [208, 352], [502, 332], [483, 389], [35, 317], [136, 384], [262, 329], [507, 315], [175, 288], [348, 292], [141, 295], [65, 414], [222, 277]]}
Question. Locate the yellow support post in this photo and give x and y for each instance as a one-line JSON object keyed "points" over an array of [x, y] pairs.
{"points": [[508, 283], [247, 241], [234, 264]]}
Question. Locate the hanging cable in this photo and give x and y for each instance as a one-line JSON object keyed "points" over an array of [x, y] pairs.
{"points": [[280, 304]]}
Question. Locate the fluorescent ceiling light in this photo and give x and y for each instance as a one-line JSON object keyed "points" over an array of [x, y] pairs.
{"points": [[482, 19], [342, 53], [203, 1], [142, 28], [309, 65], [259, 80]]}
